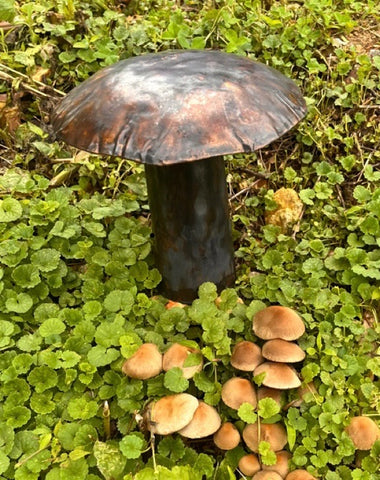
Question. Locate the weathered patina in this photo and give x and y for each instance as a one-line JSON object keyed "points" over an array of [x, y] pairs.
{"points": [[184, 108]]}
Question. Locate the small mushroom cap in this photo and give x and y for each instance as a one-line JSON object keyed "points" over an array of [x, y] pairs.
{"points": [[278, 375], [282, 463], [278, 350], [176, 355], [273, 433], [274, 393], [145, 363], [278, 322], [158, 108], [363, 432], [267, 475], [237, 391], [171, 413], [227, 437], [249, 464], [246, 356], [205, 422], [299, 475]]}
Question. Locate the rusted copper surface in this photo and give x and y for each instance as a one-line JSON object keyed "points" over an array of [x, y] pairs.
{"points": [[179, 106]]}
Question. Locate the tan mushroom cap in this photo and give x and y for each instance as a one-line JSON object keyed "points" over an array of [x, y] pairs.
{"points": [[227, 437], [145, 363], [249, 464], [266, 475], [246, 356], [282, 463], [205, 422], [363, 432], [176, 355], [273, 433], [299, 475], [237, 391], [273, 393], [171, 413], [278, 322], [278, 350], [278, 375]]}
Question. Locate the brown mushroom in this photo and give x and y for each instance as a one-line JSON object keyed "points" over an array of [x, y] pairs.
{"points": [[227, 437], [145, 363], [299, 475], [178, 112], [278, 322], [363, 432], [266, 475], [273, 433], [205, 422], [278, 350], [278, 375], [237, 391], [282, 463], [171, 413], [176, 355], [249, 464], [273, 393], [246, 356]]}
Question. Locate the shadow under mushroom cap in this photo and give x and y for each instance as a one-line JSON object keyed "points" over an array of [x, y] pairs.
{"points": [[179, 106]]}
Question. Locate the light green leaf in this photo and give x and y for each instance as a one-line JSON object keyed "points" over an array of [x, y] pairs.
{"points": [[132, 446], [10, 208]]}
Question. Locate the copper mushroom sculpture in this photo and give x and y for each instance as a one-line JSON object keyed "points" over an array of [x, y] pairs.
{"points": [[179, 112]]}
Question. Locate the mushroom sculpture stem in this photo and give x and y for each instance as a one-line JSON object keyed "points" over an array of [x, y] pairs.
{"points": [[191, 225]]}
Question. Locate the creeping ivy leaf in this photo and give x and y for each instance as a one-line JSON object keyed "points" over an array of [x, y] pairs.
{"points": [[10, 209], [52, 326], [81, 408], [109, 460], [46, 259], [267, 455], [268, 407], [246, 413], [175, 381], [4, 462], [21, 303], [26, 276], [119, 300], [43, 378], [132, 446]]}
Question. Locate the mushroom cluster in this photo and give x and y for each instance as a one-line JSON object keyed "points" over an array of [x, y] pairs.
{"points": [[194, 419]]}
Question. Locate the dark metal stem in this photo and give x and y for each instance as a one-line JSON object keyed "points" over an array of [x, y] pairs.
{"points": [[191, 224]]}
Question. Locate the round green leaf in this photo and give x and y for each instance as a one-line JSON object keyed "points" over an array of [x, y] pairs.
{"points": [[52, 326], [21, 303], [132, 446], [10, 210], [46, 259]]}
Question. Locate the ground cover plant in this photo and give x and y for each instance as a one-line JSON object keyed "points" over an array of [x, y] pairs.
{"points": [[78, 284]]}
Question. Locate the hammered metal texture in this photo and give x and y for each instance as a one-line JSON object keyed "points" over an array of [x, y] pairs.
{"points": [[179, 106]]}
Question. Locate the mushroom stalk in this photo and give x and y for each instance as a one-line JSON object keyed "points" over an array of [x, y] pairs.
{"points": [[191, 226]]}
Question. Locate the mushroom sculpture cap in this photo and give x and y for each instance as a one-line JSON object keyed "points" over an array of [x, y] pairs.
{"points": [[278, 350], [178, 106], [205, 422], [145, 363], [363, 432], [278, 375], [273, 433], [277, 321], [171, 413]]}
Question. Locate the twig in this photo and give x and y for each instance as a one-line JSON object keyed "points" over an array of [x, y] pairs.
{"points": [[25, 84]]}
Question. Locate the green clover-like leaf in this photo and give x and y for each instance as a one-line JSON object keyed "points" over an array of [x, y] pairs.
{"points": [[132, 445], [10, 210], [46, 259]]}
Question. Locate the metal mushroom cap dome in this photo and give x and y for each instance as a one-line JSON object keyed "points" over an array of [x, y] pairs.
{"points": [[179, 106]]}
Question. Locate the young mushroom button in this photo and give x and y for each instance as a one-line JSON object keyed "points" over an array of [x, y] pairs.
{"points": [[179, 112]]}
